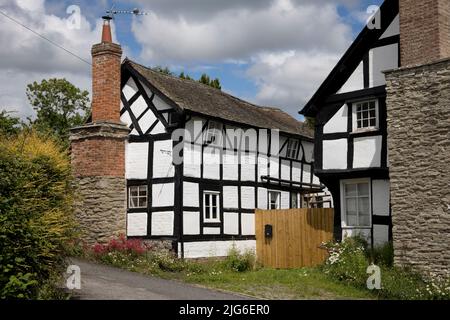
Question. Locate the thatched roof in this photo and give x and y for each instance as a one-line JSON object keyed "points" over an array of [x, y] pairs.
{"points": [[196, 97]]}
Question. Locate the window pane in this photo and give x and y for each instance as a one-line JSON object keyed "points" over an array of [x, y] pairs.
{"points": [[372, 113], [350, 190], [373, 122], [365, 123], [350, 206], [133, 202], [133, 191], [364, 221], [214, 200], [143, 202], [352, 220], [363, 189], [143, 191], [363, 206]]}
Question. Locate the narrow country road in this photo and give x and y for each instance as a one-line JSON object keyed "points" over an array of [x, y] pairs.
{"points": [[101, 282]]}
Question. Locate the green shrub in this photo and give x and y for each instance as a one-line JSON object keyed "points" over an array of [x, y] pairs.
{"points": [[239, 262], [347, 261], [35, 214], [167, 261], [382, 255]]}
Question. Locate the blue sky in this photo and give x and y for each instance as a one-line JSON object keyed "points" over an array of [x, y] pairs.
{"points": [[270, 52]]}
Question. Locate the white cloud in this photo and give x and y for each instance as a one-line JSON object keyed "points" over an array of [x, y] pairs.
{"points": [[237, 34], [290, 46], [25, 57], [288, 79]]}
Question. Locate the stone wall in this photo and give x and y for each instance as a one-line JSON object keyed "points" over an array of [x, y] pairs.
{"points": [[418, 109], [101, 207]]}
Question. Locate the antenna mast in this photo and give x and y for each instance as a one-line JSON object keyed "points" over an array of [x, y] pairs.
{"points": [[112, 12]]}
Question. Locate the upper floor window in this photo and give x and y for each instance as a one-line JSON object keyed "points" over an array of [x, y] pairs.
{"points": [[137, 197], [213, 133], [211, 212], [365, 115], [292, 148]]}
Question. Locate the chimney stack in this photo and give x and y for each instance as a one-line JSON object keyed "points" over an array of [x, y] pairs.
{"points": [[106, 60], [424, 31], [98, 149]]}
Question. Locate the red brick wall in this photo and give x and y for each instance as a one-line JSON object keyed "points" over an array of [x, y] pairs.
{"points": [[98, 157], [424, 31], [106, 60]]}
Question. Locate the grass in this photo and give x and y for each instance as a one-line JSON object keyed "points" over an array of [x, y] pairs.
{"points": [[305, 283]]}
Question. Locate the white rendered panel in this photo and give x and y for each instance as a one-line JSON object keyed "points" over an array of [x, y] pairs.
{"points": [[367, 152], [335, 154], [191, 223], [162, 223], [337, 123], [136, 160], [190, 194], [162, 195], [248, 224], [162, 159], [137, 224]]}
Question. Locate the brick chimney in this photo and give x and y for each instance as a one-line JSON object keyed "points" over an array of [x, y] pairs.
{"points": [[424, 31], [106, 58], [98, 149]]}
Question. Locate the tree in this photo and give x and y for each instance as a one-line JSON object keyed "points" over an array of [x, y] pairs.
{"points": [[310, 122], [59, 105], [212, 83], [205, 79], [9, 125], [163, 70]]}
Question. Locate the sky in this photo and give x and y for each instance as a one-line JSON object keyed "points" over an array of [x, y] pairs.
{"points": [[269, 52]]}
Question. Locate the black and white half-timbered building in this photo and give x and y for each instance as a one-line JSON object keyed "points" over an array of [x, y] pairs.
{"points": [[350, 149], [199, 161]]}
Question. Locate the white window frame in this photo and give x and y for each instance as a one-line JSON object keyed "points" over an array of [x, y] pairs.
{"points": [[291, 152], [354, 116], [211, 220], [269, 198], [344, 223], [214, 130], [138, 196]]}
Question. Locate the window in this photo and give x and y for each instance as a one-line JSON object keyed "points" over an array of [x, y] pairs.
{"points": [[137, 197], [274, 200], [211, 206], [356, 203], [292, 149], [365, 115], [294, 200], [214, 133]]}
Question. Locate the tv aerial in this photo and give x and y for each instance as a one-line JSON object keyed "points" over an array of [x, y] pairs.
{"points": [[112, 12]]}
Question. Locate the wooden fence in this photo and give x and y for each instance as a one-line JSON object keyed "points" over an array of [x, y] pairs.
{"points": [[296, 237]]}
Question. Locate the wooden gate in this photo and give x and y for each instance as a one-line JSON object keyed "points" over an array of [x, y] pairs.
{"points": [[297, 235]]}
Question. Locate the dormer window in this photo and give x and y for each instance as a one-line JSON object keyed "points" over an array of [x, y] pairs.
{"points": [[292, 149], [365, 115]]}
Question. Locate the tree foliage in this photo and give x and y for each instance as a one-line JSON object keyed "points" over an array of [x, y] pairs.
{"points": [[59, 105], [205, 79], [9, 125]]}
